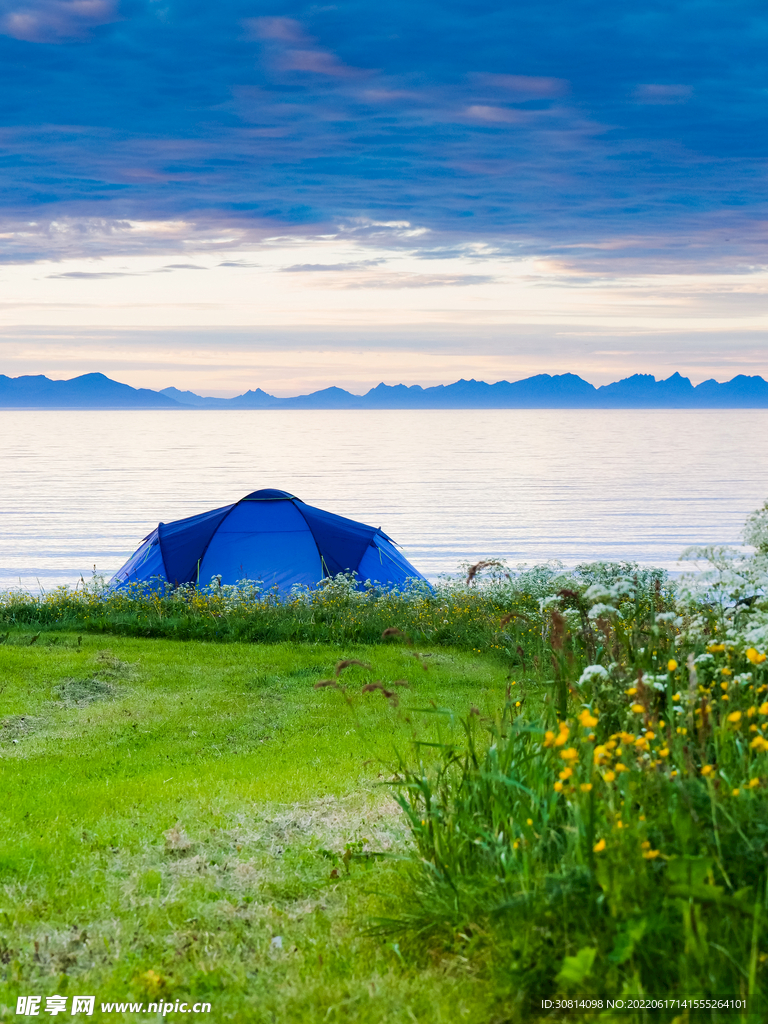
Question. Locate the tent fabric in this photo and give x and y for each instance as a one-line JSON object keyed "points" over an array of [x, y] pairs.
{"points": [[184, 541], [266, 540], [343, 542], [146, 561], [268, 536], [382, 560]]}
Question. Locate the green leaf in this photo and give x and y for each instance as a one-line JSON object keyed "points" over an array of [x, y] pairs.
{"points": [[689, 870], [626, 940], [576, 968]]}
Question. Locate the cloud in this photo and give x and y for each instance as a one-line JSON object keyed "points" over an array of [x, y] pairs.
{"points": [[304, 268], [285, 30], [405, 280], [320, 62], [505, 125], [55, 21], [494, 115], [662, 94], [88, 276], [282, 32], [526, 86]]}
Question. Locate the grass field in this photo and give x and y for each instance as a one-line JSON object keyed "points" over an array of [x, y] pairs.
{"points": [[359, 806], [192, 820]]}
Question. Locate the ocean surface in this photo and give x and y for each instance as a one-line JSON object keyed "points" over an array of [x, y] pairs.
{"points": [[80, 489]]}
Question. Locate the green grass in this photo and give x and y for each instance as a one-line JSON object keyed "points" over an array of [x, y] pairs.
{"points": [[363, 806], [169, 809]]}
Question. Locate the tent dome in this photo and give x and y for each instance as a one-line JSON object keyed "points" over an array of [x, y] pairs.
{"points": [[269, 536]]}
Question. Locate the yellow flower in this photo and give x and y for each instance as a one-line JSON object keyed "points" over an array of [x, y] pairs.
{"points": [[726, 672], [566, 773], [677, 696], [664, 752], [645, 845], [570, 754], [529, 821], [754, 657], [599, 846], [549, 738], [735, 792], [586, 787], [558, 787], [620, 767], [562, 737], [716, 648], [754, 783], [637, 708], [723, 686], [671, 665], [759, 743], [651, 854], [599, 754], [631, 691], [609, 776], [587, 719], [626, 737], [763, 709], [707, 770], [735, 717], [751, 712]]}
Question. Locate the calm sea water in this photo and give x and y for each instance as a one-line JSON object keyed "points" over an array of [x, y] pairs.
{"points": [[79, 489]]}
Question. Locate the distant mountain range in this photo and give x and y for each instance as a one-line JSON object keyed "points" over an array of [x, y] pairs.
{"points": [[562, 391]]}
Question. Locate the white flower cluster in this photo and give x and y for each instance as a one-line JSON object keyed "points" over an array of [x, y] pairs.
{"points": [[657, 682], [756, 529], [593, 673]]}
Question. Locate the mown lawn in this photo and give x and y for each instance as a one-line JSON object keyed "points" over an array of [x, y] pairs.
{"points": [[187, 820]]}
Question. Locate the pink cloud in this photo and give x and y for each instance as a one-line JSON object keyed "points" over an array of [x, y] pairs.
{"points": [[525, 85], [321, 62], [497, 115], [662, 94], [286, 30], [303, 55], [50, 21]]}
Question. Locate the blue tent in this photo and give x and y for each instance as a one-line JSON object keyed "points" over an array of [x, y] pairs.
{"points": [[269, 536]]}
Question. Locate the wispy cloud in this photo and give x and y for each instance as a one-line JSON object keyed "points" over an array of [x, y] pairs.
{"points": [[494, 115], [85, 275], [295, 50], [405, 280], [496, 125], [524, 86], [662, 94], [56, 21], [304, 268], [96, 275]]}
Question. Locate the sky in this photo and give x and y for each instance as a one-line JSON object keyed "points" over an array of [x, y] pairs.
{"points": [[250, 194]]}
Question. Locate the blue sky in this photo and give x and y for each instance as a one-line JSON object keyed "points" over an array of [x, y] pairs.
{"points": [[381, 184]]}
